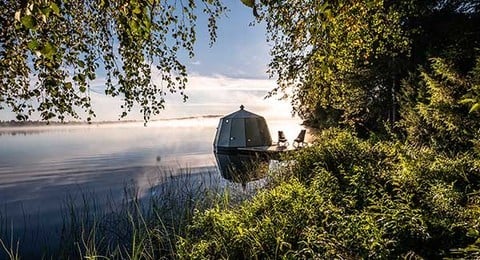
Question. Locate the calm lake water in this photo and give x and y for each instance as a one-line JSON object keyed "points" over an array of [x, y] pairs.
{"points": [[40, 167]]}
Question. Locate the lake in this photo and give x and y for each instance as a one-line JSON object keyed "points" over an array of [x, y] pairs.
{"points": [[44, 168]]}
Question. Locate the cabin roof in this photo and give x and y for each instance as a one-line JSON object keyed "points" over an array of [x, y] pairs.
{"points": [[242, 129], [242, 113]]}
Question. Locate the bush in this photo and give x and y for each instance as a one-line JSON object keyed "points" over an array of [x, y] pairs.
{"points": [[351, 198], [435, 108]]}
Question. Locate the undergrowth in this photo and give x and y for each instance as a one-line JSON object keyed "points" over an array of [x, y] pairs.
{"points": [[342, 198], [349, 198]]}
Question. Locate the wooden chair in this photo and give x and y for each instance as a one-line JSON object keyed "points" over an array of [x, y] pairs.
{"points": [[282, 140], [300, 140]]}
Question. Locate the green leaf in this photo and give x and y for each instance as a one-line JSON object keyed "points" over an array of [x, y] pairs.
{"points": [[81, 77], [475, 107], [82, 89], [472, 232], [55, 8], [328, 14], [249, 3], [133, 25], [137, 10], [33, 45], [468, 100], [49, 50], [46, 11], [28, 21]]}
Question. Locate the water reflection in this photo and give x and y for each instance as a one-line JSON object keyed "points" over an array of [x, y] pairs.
{"points": [[242, 168], [42, 166]]}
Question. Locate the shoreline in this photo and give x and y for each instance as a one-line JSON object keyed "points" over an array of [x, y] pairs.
{"points": [[9, 125]]}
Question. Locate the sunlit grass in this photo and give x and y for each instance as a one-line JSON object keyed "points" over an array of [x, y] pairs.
{"points": [[143, 225]]}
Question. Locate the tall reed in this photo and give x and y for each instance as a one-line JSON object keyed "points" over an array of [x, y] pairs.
{"points": [[145, 223]]}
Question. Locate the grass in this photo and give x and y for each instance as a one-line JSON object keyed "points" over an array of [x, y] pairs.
{"points": [[12, 250], [344, 197], [351, 198], [143, 225]]}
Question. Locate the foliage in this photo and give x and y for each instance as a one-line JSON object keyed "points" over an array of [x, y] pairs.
{"points": [[52, 50], [348, 198], [351, 56], [473, 97], [434, 112], [335, 54]]}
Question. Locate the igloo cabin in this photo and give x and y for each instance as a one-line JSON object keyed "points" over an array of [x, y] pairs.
{"points": [[241, 129]]}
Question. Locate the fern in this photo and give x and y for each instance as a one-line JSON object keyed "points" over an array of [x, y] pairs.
{"points": [[473, 95], [438, 105]]}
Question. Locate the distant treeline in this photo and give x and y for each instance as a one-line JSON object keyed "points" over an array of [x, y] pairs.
{"points": [[14, 123]]}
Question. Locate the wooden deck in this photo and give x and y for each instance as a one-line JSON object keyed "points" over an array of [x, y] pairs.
{"points": [[268, 149]]}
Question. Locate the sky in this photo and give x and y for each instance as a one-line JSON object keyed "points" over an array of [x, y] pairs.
{"points": [[221, 77], [240, 50]]}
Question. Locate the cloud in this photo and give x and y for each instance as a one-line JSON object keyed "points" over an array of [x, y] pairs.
{"points": [[208, 95], [222, 95]]}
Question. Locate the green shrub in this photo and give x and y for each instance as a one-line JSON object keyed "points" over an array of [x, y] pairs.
{"points": [[436, 110], [351, 198]]}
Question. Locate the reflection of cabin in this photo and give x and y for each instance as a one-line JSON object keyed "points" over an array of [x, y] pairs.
{"points": [[240, 168], [242, 129], [243, 144]]}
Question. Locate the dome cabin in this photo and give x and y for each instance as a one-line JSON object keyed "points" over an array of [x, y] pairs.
{"points": [[241, 129]]}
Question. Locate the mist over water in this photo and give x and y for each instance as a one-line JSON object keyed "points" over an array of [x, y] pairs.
{"points": [[42, 167]]}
